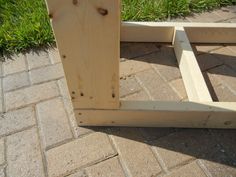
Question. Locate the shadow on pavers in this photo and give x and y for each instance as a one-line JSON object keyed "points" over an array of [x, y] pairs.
{"points": [[214, 145], [36, 50], [163, 54]]}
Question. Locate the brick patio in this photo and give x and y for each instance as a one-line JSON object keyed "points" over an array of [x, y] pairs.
{"points": [[39, 136]]}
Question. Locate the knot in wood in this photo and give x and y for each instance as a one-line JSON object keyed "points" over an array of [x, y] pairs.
{"points": [[102, 11], [50, 15], [75, 2]]}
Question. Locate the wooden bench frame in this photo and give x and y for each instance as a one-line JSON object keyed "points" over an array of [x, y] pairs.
{"points": [[88, 34]]}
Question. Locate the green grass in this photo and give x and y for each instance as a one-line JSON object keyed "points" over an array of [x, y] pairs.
{"points": [[151, 10], [24, 24]]}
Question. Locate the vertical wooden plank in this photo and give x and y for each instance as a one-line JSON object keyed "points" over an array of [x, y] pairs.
{"points": [[88, 38], [194, 82]]}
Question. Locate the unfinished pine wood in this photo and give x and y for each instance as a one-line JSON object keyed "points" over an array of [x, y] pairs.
{"points": [[194, 82], [134, 32], [88, 38], [163, 114], [164, 31], [211, 34]]}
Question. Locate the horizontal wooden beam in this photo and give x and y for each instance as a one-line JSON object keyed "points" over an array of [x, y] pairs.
{"points": [[164, 32], [194, 82], [211, 34], [162, 114], [146, 33]]}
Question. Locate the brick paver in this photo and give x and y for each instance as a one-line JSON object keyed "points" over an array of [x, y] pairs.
{"points": [[140, 95], [36, 59], [152, 134], [137, 157], [130, 67], [16, 81], [69, 108], [226, 12], [39, 135], [178, 87], [232, 20], [188, 170], [2, 174], [208, 61], [108, 168], [79, 174], [179, 148], [14, 121], [1, 96], [227, 56], [205, 48], [224, 75], [165, 62], [2, 151], [232, 48], [222, 162], [133, 50], [156, 86], [227, 139], [206, 17], [128, 86], [24, 156], [53, 122], [29, 95], [223, 93], [46, 73], [14, 66], [54, 56], [84, 151], [219, 169]]}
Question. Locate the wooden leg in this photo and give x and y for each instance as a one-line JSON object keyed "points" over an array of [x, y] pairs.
{"points": [[88, 38]]}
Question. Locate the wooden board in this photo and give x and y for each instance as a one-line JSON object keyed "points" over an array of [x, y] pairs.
{"points": [[211, 34], [194, 82], [164, 32], [88, 38], [163, 114], [146, 33]]}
